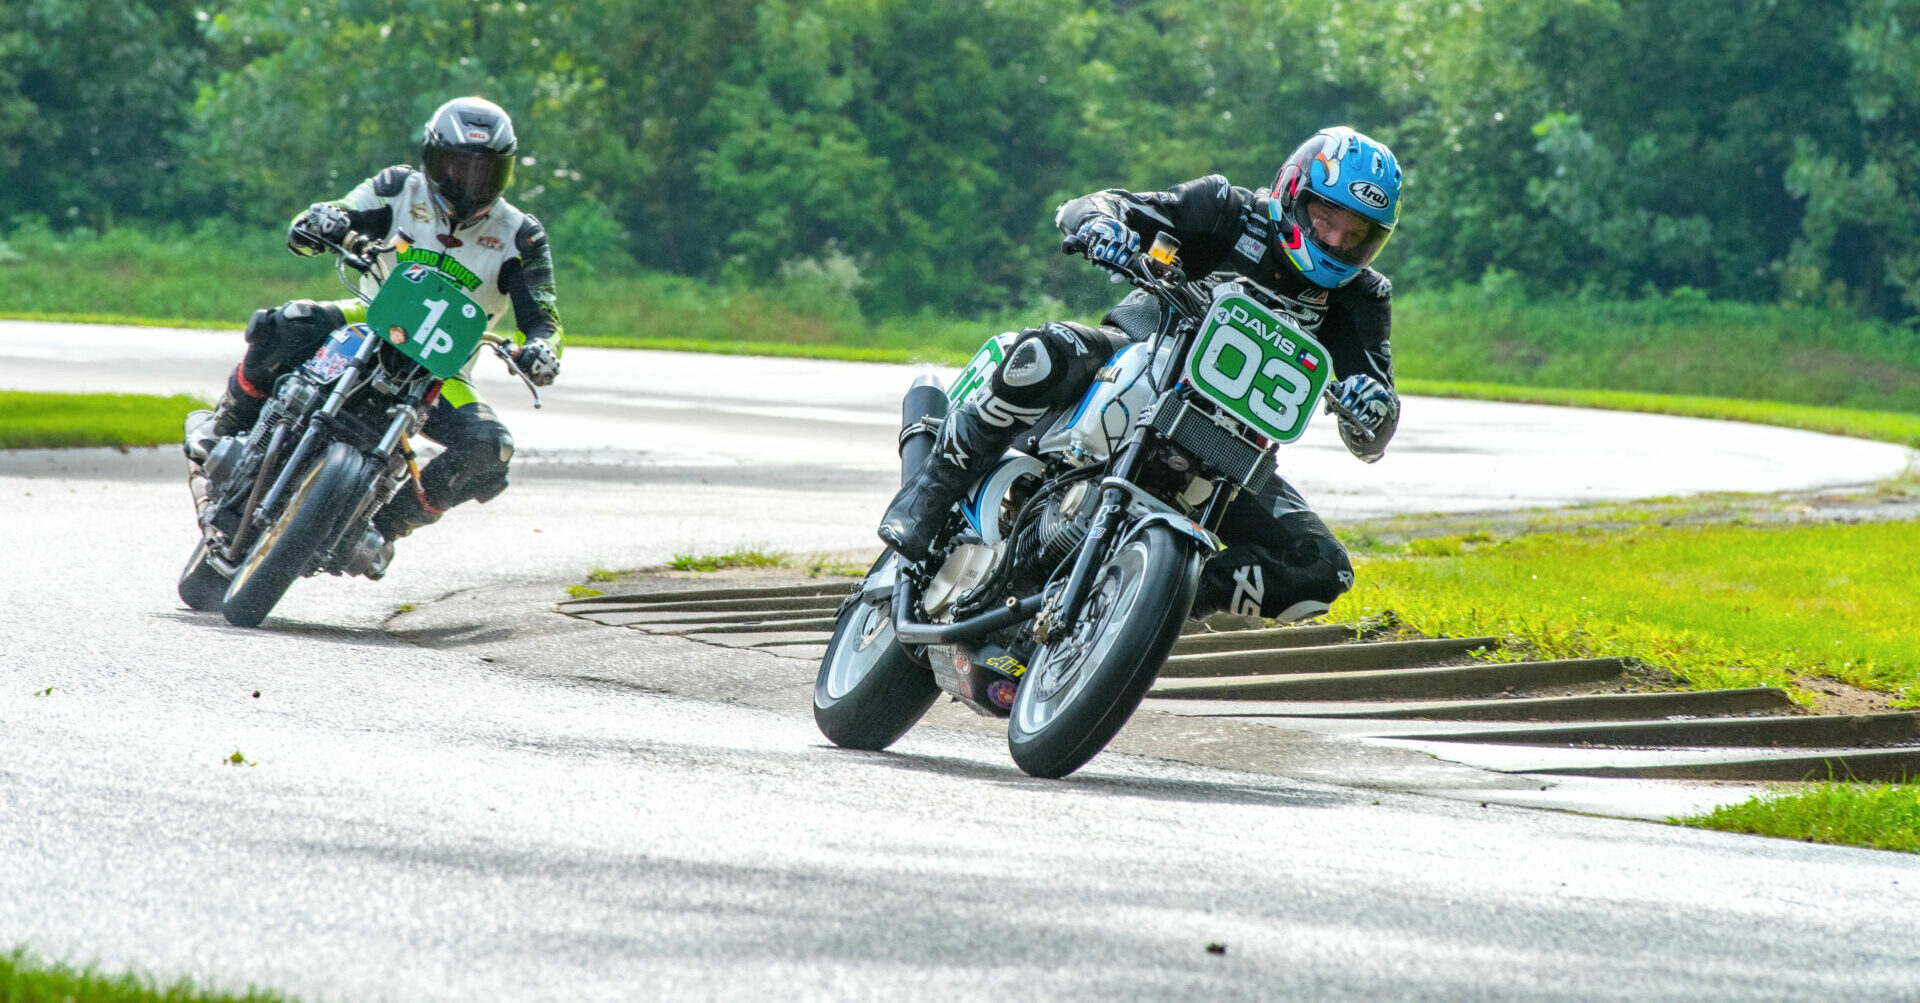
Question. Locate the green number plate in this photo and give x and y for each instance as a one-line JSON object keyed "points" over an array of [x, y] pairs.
{"points": [[1258, 366], [975, 375], [428, 318]]}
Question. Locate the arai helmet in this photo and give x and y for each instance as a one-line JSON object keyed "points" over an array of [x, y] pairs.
{"points": [[1335, 202]]}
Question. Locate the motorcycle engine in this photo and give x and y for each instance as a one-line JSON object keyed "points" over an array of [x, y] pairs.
{"points": [[1059, 530]]}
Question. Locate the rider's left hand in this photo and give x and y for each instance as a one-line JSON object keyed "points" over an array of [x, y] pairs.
{"points": [[539, 361], [1377, 406]]}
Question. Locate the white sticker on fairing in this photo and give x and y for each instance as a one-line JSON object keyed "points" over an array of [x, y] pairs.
{"points": [[1250, 247]]}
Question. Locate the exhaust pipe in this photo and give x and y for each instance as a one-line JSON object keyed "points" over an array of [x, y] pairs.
{"points": [[921, 412]]}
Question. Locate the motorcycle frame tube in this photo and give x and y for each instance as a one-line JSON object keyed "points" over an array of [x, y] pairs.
{"points": [[233, 551], [907, 631]]}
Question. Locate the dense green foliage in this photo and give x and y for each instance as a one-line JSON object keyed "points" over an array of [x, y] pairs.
{"points": [[911, 153]]}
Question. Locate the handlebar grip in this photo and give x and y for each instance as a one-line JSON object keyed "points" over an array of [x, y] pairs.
{"points": [[1073, 245]]}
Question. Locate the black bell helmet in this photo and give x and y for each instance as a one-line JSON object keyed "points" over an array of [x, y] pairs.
{"points": [[467, 152]]}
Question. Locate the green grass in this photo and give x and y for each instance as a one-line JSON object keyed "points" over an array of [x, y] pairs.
{"points": [[48, 421], [1879, 816], [24, 980], [1719, 606], [742, 558]]}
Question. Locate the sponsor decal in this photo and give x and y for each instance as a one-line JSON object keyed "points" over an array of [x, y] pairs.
{"points": [[1001, 692], [490, 242], [477, 135], [421, 212], [449, 240], [1369, 193], [461, 275], [1250, 247], [415, 272], [1007, 664], [1306, 361]]}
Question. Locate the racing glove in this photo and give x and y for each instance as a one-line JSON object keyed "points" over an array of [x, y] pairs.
{"points": [[539, 361], [1108, 242], [313, 230], [1378, 408]]}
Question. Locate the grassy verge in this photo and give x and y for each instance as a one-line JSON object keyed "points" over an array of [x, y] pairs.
{"points": [[1884, 426], [24, 980], [48, 421], [1717, 605], [1879, 816]]}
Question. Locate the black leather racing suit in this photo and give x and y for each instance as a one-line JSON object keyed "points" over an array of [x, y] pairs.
{"points": [[1279, 552]]}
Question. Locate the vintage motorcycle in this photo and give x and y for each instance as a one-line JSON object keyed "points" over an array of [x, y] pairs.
{"points": [[1059, 583], [295, 495]]}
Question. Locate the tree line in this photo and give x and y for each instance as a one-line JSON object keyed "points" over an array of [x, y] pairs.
{"points": [[1759, 150]]}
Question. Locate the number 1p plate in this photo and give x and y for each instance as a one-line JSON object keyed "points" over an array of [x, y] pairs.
{"points": [[1261, 369], [428, 318]]}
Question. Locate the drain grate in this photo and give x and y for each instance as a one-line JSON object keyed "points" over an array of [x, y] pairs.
{"points": [[1554, 717]]}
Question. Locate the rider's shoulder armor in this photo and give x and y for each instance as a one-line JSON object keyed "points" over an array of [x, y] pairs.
{"points": [[390, 181], [531, 239]]}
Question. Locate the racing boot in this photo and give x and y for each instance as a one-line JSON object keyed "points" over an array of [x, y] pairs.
{"points": [[236, 412], [969, 445], [409, 510]]}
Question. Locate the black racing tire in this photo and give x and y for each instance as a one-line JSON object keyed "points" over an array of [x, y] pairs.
{"points": [[285, 550], [1080, 688], [869, 691], [202, 586]]}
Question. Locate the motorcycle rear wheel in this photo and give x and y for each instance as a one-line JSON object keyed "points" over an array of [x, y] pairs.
{"points": [[286, 550], [869, 691], [202, 586], [1081, 688]]}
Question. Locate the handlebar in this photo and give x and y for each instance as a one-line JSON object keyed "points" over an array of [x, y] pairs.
{"points": [[503, 347]]}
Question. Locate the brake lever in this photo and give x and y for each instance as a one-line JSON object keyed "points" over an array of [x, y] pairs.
{"points": [[499, 346], [1353, 418]]}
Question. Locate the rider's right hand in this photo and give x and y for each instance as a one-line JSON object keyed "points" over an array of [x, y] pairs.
{"points": [[1107, 242], [318, 229]]}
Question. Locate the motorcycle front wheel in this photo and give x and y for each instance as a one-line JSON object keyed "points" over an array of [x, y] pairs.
{"points": [[285, 551], [1086, 681], [869, 691]]}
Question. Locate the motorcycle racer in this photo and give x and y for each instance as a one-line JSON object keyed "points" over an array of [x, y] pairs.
{"points": [[1311, 238], [448, 214]]}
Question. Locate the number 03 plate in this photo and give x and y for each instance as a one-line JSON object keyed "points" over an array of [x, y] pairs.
{"points": [[1258, 366]]}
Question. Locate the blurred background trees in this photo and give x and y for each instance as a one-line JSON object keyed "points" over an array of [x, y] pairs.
{"points": [[911, 151]]}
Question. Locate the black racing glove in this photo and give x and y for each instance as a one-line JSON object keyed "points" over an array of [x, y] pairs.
{"points": [[318, 229], [1378, 408], [539, 361]]}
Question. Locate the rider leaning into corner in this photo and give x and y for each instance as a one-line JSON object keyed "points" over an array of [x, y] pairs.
{"points": [[449, 214], [1310, 238]]}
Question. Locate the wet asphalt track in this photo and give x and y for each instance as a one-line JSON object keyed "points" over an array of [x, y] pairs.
{"points": [[419, 824]]}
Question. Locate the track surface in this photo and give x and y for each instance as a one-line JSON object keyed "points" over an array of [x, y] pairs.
{"points": [[420, 824]]}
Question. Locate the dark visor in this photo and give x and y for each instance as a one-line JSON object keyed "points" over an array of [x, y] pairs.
{"points": [[470, 178]]}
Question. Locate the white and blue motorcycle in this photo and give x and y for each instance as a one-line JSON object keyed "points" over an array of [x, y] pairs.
{"points": [[1060, 581]]}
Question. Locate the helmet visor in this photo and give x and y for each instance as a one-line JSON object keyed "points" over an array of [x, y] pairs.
{"points": [[469, 179], [1343, 234]]}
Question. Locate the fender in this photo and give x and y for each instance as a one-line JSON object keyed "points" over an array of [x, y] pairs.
{"points": [[1179, 523]]}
